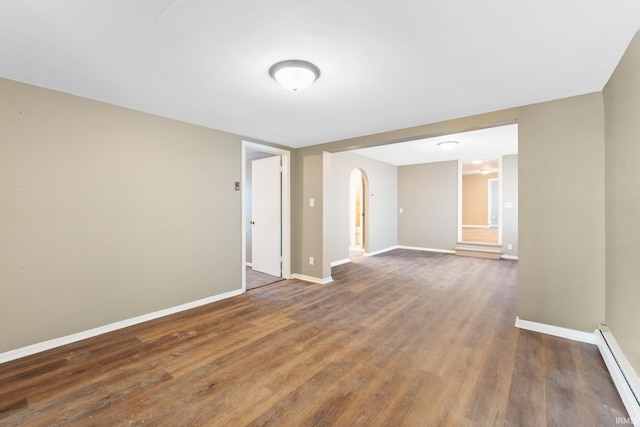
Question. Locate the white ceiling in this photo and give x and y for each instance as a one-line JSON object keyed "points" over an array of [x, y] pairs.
{"points": [[385, 65], [480, 145]]}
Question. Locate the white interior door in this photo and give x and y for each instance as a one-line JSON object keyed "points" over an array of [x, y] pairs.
{"points": [[265, 216]]}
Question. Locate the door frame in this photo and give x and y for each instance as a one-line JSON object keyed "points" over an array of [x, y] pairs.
{"points": [[285, 206]]}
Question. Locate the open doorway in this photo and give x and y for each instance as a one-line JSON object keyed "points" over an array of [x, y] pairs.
{"points": [[357, 213], [481, 202], [430, 180], [266, 218]]}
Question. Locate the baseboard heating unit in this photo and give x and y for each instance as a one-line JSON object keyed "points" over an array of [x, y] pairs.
{"points": [[624, 377]]}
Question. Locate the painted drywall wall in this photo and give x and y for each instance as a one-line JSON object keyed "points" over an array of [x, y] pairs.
{"points": [[308, 221], [108, 214], [561, 224], [381, 203], [510, 205], [622, 175], [428, 197], [475, 199]]}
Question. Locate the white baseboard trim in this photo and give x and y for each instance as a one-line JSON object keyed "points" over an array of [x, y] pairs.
{"points": [[381, 251], [515, 257], [476, 226], [249, 264], [416, 248], [312, 279], [340, 262], [624, 376], [557, 331], [58, 342]]}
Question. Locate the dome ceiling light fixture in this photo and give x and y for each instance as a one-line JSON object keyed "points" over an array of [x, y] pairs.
{"points": [[447, 145], [294, 75], [485, 171]]}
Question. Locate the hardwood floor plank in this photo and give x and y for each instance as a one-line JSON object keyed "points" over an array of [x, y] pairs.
{"points": [[404, 338]]}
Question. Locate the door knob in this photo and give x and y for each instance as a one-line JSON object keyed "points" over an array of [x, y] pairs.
{"points": [[253, 223]]}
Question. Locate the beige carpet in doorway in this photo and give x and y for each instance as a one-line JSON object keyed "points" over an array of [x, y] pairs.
{"points": [[256, 279]]}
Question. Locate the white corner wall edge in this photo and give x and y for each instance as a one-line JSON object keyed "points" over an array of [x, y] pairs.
{"points": [[312, 279], [58, 342], [557, 331], [381, 251], [624, 376], [416, 248], [340, 262]]}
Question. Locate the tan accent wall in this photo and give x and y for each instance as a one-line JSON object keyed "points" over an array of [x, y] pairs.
{"points": [[622, 183], [428, 197], [475, 199], [561, 224], [308, 234], [108, 213]]}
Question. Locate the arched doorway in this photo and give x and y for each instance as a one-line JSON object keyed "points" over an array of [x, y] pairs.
{"points": [[357, 212]]}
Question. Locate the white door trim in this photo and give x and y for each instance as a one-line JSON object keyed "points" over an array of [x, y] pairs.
{"points": [[286, 206]]}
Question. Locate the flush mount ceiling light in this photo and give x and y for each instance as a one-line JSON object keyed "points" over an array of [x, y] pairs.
{"points": [[485, 171], [447, 145], [294, 75]]}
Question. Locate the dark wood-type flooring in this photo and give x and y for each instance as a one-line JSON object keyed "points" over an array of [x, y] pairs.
{"points": [[405, 338]]}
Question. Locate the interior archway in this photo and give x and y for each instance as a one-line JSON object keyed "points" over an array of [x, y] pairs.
{"points": [[358, 206]]}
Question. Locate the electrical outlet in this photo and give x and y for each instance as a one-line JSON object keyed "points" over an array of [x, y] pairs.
{"points": [[509, 246], [310, 260]]}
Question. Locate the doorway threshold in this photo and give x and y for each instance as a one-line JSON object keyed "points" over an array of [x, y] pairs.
{"points": [[467, 242]]}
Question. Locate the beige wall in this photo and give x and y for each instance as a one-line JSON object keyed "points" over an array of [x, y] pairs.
{"points": [[561, 224], [475, 195], [428, 197], [308, 234], [107, 214], [381, 208], [622, 179]]}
